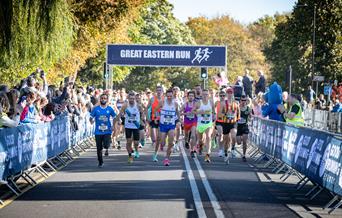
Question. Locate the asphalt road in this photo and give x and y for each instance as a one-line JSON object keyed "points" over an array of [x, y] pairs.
{"points": [[146, 189]]}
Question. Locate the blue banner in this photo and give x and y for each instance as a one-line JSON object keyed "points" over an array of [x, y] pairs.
{"points": [[166, 55], [31, 144], [313, 153]]}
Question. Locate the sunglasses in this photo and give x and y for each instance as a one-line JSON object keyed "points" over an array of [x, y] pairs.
{"points": [[222, 96]]}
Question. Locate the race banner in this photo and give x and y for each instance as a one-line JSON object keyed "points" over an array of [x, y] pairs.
{"points": [[166, 55]]}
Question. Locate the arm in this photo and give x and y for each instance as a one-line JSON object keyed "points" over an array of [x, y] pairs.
{"points": [[6, 121]]}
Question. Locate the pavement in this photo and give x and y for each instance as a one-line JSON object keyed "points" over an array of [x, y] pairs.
{"points": [[187, 188]]}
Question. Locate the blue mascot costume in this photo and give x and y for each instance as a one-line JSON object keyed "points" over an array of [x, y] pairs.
{"points": [[273, 99]]}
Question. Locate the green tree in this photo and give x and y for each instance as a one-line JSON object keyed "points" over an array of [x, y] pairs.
{"points": [[242, 50], [293, 42]]}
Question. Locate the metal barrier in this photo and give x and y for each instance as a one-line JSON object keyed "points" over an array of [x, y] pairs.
{"points": [[323, 120], [41, 148], [310, 154]]}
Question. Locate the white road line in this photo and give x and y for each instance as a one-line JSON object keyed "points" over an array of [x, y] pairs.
{"points": [[193, 185], [212, 197]]}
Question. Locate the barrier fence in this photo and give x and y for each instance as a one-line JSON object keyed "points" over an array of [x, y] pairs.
{"points": [[30, 146], [311, 154], [324, 120]]}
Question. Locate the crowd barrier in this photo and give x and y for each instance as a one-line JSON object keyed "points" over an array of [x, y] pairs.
{"points": [[314, 154], [324, 120], [30, 145]]}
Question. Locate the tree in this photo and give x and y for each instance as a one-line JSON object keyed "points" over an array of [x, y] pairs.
{"points": [[243, 51], [293, 42]]}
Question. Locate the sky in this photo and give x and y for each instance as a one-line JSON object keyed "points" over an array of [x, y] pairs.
{"points": [[245, 11]]}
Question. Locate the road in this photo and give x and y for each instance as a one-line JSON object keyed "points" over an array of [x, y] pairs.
{"points": [[187, 188]]}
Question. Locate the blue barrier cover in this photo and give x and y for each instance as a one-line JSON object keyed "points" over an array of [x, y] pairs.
{"points": [[31, 144], [313, 153]]}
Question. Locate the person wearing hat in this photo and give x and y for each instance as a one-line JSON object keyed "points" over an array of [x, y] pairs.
{"points": [[231, 114], [295, 114], [242, 125]]}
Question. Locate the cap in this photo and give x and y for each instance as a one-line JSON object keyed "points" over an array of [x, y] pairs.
{"points": [[230, 89]]}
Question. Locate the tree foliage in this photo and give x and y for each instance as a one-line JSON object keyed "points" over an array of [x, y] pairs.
{"points": [[292, 44], [242, 50]]}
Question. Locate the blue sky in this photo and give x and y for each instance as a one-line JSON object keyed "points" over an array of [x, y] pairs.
{"points": [[245, 11]]}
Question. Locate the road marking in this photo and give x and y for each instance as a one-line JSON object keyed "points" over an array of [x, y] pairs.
{"points": [[193, 185], [212, 197]]}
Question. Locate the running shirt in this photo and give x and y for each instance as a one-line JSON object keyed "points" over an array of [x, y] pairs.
{"points": [[102, 116], [132, 117], [207, 117], [244, 115], [155, 115], [119, 104], [232, 113], [192, 118], [168, 115], [218, 108]]}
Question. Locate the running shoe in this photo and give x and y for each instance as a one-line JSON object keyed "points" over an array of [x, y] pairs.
{"points": [[140, 146], [192, 154], [166, 162], [155, 158], [244, 159], [200, 150], [130, 159], [207, 158], [106, 152], [100, 165], [213, 143], [187, 146], [233, 153], [136, 154], [226, 159], [119, 146], [161, 147], [221, 153]]}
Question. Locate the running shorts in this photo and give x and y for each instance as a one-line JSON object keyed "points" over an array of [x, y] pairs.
{"points": [[201, 128], [154, 125], [134, 132], [188, 126], [226, 127], [166, 128], [242, 129]]}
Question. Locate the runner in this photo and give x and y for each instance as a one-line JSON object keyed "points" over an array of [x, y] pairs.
{"points": [[153, 118], [120, 125], [219, 106], [242, 127], [177, 98], [190, 123], [168, 114], [101, 115], [231, 116], [205, 110], [143, 120], [198, 93], [133, 113]]}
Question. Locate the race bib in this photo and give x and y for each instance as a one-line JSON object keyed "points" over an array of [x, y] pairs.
{"points": [[103, 128], [242, 121], [168, 119], [190, 116], [103, 118]]}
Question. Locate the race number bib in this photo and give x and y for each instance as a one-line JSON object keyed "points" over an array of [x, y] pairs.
{"points": [[103, 128]]}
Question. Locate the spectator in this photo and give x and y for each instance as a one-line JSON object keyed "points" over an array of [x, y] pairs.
{"points": [[247, 82], [310, 95], [30, 113], [321, 103], [295, 113], [285, 97], [337, 107], [260, 85], [5, 121]]}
